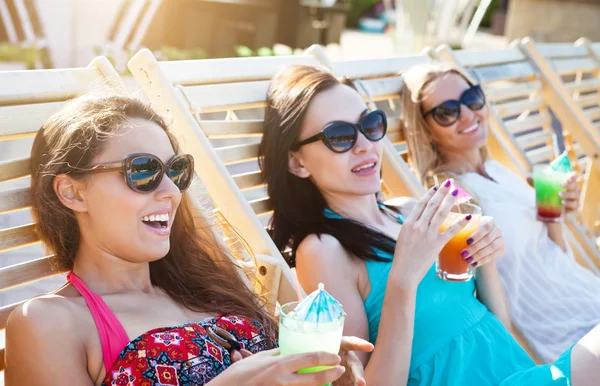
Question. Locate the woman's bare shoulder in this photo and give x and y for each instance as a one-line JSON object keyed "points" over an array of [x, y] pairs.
{"points": [[322, 258], [44, 312], [47, 332], [314, 246], [325, 253]]}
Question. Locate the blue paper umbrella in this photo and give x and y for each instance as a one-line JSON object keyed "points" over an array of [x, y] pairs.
{"points": [[318, 307]]}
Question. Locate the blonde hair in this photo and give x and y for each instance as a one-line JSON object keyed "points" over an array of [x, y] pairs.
{"points": [[424, 155]]}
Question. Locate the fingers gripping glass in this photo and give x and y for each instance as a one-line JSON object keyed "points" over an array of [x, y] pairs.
{"points": [[448, 112], [340, 137], [144, 172]]}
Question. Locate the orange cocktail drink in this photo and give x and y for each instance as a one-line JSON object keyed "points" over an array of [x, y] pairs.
{"points": [[450, 264]]}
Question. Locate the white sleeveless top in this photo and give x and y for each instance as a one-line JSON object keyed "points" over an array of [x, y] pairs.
{"points": [[553, 300]]}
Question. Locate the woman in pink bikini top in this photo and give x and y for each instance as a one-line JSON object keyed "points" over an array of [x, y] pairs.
{"points": [[151, 298]]}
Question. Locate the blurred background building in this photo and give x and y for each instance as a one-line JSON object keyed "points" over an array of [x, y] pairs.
{"points": [[65, 33]]}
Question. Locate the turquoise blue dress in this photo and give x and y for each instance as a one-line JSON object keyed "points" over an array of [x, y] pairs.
{"points": [[457, 341]]}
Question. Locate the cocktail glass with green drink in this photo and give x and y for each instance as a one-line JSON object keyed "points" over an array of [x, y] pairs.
{"points": [[548, 182], [313, 324]]}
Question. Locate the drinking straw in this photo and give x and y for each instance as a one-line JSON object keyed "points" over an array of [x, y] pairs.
{"points": [[297, 285]]}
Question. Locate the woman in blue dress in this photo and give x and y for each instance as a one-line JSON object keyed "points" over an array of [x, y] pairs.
{"points": [[321, 159]]}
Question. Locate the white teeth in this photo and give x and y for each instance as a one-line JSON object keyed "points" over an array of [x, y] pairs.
{"points": [[470, 129], [366, 166], [157, 217]]}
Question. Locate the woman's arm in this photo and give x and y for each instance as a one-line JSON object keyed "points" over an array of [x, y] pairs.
{"points": [[486, 245], [555, 233], [418, 245], [271, 368], [324, 260], [490, 292], [42, 345]]}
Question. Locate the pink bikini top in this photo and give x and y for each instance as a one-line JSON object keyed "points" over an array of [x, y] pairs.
{"points": [[190, 354], [113, 337]]}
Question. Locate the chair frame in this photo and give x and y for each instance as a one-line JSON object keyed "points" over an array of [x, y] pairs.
{"points": [[27, 99], [553, 61]]}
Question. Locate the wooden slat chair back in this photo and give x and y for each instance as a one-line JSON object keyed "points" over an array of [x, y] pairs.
{"points": [[577, 67], [577, 70], [27, 100], [217, 109], [513, 87], [595, 49], [521, 114]]}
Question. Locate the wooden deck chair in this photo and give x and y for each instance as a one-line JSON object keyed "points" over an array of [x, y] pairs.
{"points": [[381, 83], [129, 28], [7, 22], [27, 100], [520, 113], [216, 107], [457, 21], [24, 27], [572, 71]]}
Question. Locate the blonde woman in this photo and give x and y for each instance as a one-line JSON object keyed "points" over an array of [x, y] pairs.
{"points": [[553, 300]]}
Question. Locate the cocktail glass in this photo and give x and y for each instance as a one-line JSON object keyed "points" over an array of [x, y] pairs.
{"points": [[450, 264], [548, 183], [298, 336]]}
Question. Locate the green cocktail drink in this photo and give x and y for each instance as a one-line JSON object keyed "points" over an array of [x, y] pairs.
{"points": [[299, 336], [315, 324], [548, 183]]}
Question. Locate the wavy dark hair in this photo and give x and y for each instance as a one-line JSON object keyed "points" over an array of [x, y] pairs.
{"points": [[197, 272], [298, 205]]}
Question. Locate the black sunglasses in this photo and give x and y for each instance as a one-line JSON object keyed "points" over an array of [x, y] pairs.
{"points": [[143, 172], [340, 137], [448, 112]]}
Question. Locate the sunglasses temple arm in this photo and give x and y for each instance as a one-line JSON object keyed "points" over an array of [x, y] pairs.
{"points": [[102, 169]]}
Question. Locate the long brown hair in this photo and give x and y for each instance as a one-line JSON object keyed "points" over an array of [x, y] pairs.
{"points": [[298, 205], [424, 155], [196, 272]]}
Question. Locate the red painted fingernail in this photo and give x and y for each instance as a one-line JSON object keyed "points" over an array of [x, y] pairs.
{"points": [[455, 193], [469, 260], [448, 183], [469, 240], [464, 254], [468, 218]]}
